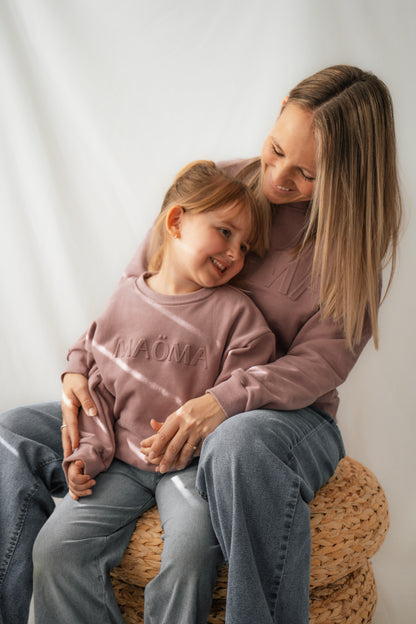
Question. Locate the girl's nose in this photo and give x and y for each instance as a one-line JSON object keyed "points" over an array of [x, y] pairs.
{"points": [[230, 253], [234, 252]]}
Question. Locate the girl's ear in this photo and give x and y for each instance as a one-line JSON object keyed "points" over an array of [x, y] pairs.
{"points": [[174, 219], [284, 102]]}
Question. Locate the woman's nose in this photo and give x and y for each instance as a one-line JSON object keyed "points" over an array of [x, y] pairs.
{"points": [[280, 174]]}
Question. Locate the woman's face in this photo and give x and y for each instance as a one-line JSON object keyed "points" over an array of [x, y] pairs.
{"points": [[288, 157]]}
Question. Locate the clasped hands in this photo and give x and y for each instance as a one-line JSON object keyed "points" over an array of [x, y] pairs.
{"points": [[180, 437]]}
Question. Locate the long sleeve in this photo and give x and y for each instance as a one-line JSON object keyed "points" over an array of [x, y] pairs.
{"points": [[97, 440], [97, 444], [315, 364], [78, 357], [250, 342]]}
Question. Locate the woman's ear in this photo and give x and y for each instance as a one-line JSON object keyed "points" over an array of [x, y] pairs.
{"points": [[174, 218]]}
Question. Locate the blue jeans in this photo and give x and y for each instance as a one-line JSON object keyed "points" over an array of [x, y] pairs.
{"points": [[258, 472], [83, 540], [30, 474]]}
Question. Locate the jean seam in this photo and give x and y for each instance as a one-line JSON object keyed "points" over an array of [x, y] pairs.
{"points": [[315, 430], [278, 584], [101, 583], [44, 463], [21, 519], [291, 506], [16, 534]]}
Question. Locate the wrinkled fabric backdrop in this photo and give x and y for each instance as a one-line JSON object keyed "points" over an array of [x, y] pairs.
{"points": [[102, 101]]}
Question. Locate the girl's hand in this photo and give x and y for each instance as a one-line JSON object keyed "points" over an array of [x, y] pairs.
{"points": [[180, 437], [79, 483], [146, 445], [74, 395]]}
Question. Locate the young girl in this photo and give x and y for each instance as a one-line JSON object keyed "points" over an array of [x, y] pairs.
{"points": [[163, 338]]}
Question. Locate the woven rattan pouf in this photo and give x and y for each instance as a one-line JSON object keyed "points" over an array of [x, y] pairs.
{"points": [[349, 520]]}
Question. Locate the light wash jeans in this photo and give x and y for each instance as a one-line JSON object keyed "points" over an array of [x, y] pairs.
{"points": [[259, 471], [83, 540], [31, 472]]}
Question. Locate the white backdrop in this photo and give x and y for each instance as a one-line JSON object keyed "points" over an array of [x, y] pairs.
{"points": [[102, 101]]}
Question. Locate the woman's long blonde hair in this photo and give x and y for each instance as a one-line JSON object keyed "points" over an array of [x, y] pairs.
{"points": [[355, 213]]}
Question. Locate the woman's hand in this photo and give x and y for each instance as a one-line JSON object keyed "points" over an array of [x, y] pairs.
{"points": [[180, 437], [79, 484], [74, 395]]}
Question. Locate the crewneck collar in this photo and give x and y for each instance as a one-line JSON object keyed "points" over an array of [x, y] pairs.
{"points": [[197, 295]]}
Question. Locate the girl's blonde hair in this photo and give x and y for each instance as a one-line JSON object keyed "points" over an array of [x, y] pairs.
{"points": [[356, 210], [202, 187]]}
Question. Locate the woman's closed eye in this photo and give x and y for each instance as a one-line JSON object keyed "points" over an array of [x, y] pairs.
{"points": [[276, 151], [306, 177]]}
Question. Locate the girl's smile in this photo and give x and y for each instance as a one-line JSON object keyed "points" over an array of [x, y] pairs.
{"points": [[219, 265]]}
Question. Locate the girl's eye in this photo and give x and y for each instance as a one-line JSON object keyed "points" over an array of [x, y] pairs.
{"points": [[226, 233], [244, 248]]}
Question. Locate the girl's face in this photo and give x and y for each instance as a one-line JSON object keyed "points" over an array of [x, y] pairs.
{"points": [[288, 157], [210, 247]]}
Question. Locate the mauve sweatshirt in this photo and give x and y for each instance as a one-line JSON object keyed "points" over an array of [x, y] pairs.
{"points": [[149, 353]]}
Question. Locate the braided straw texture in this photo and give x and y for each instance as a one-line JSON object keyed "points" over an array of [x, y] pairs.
{"points": [[351, 601], [349, 521]]}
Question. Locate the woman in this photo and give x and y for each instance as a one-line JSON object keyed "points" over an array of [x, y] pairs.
{"points": [[328, 170]]}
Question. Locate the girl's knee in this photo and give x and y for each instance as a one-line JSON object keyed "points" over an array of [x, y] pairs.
{"points": [[57, 545], [190, 540], [191, 553], [48, 554]]}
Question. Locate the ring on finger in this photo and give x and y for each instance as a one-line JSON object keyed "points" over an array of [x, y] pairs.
{"points": [[63, 426], [193, 447]]}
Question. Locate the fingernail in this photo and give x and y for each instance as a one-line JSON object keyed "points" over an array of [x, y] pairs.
{"points": [[92, 412], [151, 455]]}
